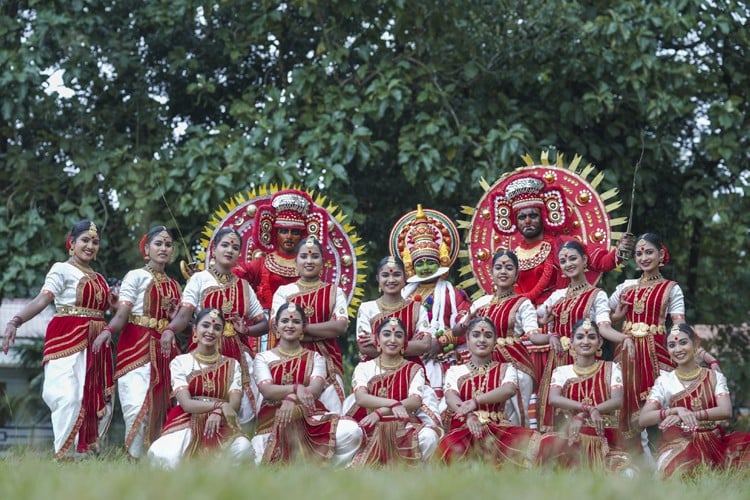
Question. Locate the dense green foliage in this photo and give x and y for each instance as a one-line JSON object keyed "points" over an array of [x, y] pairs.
{"points": [[379, 105]]}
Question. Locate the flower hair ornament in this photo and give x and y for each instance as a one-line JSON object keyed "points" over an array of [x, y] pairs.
{"points": [[92, 230]]}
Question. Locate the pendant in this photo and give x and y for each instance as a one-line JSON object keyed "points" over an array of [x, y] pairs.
{"points": [[639, 306], [226, 307], [564, 317], [287, 379], [208, 385], [383, 392], [309, 311]]}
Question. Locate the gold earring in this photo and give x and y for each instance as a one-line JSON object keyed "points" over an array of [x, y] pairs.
{"points": [[71, 252]]}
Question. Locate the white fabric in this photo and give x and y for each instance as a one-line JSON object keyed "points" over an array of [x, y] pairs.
{"points": [[526, 320], [675, 303], [133, 289], [62, 282], [562, 374], [443, 289], [598, 313], [132, 389], [62, 391], [366, 370], [281, 296], [168, 450], [667, 385]]}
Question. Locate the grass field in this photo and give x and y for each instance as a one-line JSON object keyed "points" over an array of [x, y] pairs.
{"points": [[26, 474]]}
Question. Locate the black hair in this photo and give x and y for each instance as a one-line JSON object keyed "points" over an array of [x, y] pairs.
{"points": [[303, 242], [481, 319], [207, 310], [285, 306], [509, 253], [219, 235]]}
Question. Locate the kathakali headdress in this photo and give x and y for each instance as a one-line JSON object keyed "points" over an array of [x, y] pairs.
{"points": [[425, 233]]}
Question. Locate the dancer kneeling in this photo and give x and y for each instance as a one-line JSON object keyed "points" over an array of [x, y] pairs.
{"points": [[589, 394], [688, 404], [476, 394], [295, 404], [208, 389], [387, 401]]}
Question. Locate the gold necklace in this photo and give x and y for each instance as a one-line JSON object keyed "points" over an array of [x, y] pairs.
{"points": [[585, 371], [389, 307], [655, 277], [289, 354], [159, 276], [86, 270], [308, 284], [576, 289], [206, 359], [481, 370], [686, 377], [222, 278], [385, 366]]}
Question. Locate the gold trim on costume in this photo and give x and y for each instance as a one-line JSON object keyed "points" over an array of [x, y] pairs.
{"points": [[148, 322], [78, 311], [642, 329]]}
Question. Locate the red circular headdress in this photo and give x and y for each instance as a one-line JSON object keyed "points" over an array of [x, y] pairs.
{"points": [[569, 202], [255, 214]]}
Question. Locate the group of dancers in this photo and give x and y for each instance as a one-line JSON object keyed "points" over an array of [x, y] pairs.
{"points": [[514, 376]]}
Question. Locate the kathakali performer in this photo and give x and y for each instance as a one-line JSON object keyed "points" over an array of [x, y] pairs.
{"points": [[427, 242]]}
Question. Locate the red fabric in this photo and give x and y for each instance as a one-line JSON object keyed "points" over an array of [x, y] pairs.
{"points": [[390, 440], [503, 316], [318, 304], [706, 446], [304, 437], [221, 377], [539, 282], [409, 316], [570, 310], [639, 371]]}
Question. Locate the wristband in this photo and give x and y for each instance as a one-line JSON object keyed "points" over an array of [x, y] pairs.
{"points": [[167, 329], [714, 362], [397, 403], [555, 334], [16, 321], [291, 398], [218, 405], [108, 329], [578, 417], [662, 414], [377, 412]]}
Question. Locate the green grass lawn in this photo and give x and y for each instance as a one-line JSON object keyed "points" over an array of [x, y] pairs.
{"points": [[26, 474]]}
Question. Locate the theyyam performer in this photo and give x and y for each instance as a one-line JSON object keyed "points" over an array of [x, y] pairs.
{"points": [[270, 222]]}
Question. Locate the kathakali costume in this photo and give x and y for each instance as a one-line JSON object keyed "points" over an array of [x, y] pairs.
{"points": [[427, 233]]}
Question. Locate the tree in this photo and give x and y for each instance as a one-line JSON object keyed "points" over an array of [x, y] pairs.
{"points": [[379, 105]]}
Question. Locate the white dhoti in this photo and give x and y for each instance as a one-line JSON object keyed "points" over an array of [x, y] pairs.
{"points": [[62, 391], [132, 387], [168, 450]]}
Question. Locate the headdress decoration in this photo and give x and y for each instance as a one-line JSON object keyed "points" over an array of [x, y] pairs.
{"points": [[254, 214], [93, 231], [214, 315], [425, 233], [586, 325], [292, 307], [570, 206]]}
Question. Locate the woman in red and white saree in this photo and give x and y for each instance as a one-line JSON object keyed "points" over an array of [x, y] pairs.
{"points": [[217, 287], [387, 401], [564, 308], [391, 278], [588, 393], [207, 386], [515, 321], [688, 404], [325, 308], [296, 419], [146, 300], [78, 383], [476, 393]]}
